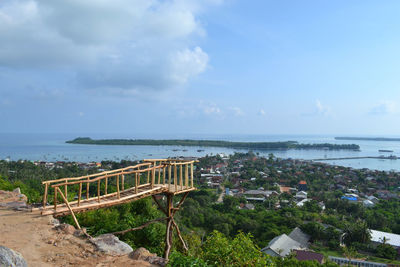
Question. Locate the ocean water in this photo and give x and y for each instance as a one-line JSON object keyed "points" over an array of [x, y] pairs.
{"points": [[52, 147]]}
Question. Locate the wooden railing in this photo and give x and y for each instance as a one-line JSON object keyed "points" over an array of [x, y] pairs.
{"points": [[173, 175]]}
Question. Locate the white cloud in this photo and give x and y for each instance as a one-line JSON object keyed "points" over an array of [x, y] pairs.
{"points": [[120, 45], [384, 108], [236, 111], [261, 112], [211, 109], [322, 109]]}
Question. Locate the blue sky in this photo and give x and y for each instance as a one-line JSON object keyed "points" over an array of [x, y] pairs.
{"points": [[207, 67]]}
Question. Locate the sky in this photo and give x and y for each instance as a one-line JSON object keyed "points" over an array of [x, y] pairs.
{"points": [[200, 67]]}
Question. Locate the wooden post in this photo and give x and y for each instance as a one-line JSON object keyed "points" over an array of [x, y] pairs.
{"points": [[148, 176], [123, 182], [187, 175], [65, 190], [169, 177], [45, 195], [87, 190], [70, 209], [164, 176], [136, 182], [159, 176], [98, 191], [105, 188], [191, 173], [118, 187], [80, 194], [153, 178], [181, 176], [176, 178], [168, 234], [55, 198]]}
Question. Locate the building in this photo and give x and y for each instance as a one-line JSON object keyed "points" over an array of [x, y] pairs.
{"points": [[282, 246], [354, 262], [304, 255], [378, 237], [301, 195], [302, 185]]}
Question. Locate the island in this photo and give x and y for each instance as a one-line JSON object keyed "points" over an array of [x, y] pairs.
{"points": [[367, 138], [213, 143]]}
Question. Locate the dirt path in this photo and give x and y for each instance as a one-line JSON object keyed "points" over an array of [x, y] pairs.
{"points": [[40, 244]]}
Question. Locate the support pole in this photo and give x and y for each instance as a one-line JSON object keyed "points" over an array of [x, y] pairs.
{"points": [[69, 207], [45, 195]]}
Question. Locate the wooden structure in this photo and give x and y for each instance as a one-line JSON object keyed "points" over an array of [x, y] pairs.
{"points": [[105, 189]]}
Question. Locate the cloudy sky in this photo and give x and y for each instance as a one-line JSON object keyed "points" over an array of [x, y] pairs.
{"points": [[200, 66]]}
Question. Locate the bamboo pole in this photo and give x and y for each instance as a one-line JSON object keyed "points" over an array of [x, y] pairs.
{"points": [[123, 182], [118, 187], [148, 176], [98, 191], [70, 209], [159, 176], [139, 227], [45, 195], [80, 194], [179, 234]]}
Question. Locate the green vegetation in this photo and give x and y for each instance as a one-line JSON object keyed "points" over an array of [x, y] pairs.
{"points": [[211, 143]]}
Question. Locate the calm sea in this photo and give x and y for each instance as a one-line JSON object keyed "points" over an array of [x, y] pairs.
{"points": [[52, 147]]}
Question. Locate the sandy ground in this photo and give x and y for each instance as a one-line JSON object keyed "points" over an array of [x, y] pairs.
{"points": [[40, 244]]}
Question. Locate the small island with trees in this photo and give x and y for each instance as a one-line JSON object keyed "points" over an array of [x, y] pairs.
{"points": [[213, 143]]}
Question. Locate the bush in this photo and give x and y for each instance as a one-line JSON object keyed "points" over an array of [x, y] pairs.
{"points": [[386, 251]]}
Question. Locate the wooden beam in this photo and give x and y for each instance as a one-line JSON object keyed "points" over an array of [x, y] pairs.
{"points": [[159, 205], [69, 207], [139, 227]]}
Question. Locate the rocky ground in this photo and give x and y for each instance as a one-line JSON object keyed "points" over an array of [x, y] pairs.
{"points": [[43, 242]]}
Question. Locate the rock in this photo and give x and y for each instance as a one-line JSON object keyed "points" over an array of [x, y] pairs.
{"points": [[17, 191], [9, 257], [145, 255], [141, 254], [53, 221], [80, 232], [111, 245], [66, 228]]}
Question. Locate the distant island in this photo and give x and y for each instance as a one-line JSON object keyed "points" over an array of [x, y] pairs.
{"points": [[212, 143], [368, 138]]}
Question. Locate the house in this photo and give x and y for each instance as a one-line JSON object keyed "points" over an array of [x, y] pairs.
{"points": [[304, 255], [354, 262], [247, 206], [301, 203], [368, 203], [259, 195], [373, 199], [301, 195], [302, 185], [281, 246], [379, 237], [300, 236], [353, 198]]}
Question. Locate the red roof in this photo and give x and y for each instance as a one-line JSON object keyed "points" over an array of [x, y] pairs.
{"points": [[303, 182], [303, 255]]}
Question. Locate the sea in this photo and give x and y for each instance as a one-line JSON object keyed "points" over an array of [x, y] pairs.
{"points": [[52, 147]]}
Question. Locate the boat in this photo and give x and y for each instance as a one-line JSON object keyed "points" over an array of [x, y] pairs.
{"points": [[200, 150], [385, 150]]}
